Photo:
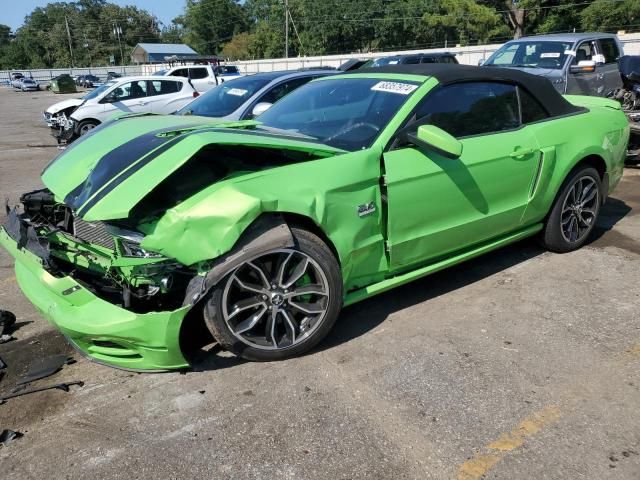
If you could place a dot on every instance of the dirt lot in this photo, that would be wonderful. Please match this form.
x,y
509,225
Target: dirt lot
x,y
519,365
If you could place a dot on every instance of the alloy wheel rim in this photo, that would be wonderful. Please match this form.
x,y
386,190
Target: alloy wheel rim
x,y
276,300
579,209
86,128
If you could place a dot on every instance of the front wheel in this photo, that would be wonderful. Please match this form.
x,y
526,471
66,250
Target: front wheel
x,y
574,212
279,304
86,126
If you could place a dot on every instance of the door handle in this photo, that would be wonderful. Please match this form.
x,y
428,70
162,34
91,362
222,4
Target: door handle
x,y
521,152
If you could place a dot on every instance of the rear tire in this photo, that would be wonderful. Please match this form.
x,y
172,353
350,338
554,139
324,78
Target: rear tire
x,y
575,211
279,304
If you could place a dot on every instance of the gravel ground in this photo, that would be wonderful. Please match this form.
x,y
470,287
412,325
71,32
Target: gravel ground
x,y
521,364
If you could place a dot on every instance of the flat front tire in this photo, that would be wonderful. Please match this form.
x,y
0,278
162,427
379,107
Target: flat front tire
x,y
278,304
574,212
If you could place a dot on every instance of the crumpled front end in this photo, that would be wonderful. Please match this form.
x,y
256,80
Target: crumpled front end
x,y
117,303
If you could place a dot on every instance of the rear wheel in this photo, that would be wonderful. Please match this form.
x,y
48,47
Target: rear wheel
x,y
279,304
574,212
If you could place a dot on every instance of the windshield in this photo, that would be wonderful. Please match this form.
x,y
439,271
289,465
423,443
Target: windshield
x,y
346,113
530,54
224,99
95,93
227,69
160,73
381,62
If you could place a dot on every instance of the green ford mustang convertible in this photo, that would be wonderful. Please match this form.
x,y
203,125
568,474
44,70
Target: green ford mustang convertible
x,y
259,232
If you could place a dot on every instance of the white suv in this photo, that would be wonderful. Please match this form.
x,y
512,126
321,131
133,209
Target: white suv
x,y
148,94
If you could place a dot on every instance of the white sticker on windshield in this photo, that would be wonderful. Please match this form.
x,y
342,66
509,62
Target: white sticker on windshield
x,y
238,92
393,62
550,55
570,52
394,87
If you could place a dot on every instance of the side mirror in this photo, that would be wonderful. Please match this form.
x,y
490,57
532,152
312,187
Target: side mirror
x,y
260,108
584,66
436,139
480,62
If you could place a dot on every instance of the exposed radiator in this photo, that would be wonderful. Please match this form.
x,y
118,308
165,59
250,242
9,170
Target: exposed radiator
x,y
93,232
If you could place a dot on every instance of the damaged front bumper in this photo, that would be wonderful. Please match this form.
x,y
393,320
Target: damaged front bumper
x,y
103,331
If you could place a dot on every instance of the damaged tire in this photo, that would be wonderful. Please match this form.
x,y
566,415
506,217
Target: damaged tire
x,y
278,304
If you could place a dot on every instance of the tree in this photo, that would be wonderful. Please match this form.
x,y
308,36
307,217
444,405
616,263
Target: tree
x,y
210,23
239,48
43,40
467,21
611,16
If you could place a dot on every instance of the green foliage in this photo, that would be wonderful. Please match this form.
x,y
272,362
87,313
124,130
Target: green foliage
x,y
43,40
256,28
210,23
239,47
611,15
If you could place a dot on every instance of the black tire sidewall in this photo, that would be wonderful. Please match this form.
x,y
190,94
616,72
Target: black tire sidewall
x,y
552,237
311,245
82,124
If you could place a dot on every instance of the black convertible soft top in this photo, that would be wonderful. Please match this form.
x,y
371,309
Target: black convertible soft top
x,y
539,86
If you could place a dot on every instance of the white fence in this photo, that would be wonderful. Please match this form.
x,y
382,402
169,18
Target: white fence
x,y
466,55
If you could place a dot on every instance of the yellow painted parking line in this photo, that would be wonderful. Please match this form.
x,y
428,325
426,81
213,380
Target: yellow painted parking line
x,y
480,464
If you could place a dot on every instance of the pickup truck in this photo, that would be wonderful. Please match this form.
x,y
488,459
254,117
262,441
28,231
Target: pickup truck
x,y
204,77
576,63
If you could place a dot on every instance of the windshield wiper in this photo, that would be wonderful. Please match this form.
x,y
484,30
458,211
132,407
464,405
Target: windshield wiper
x,y
524,65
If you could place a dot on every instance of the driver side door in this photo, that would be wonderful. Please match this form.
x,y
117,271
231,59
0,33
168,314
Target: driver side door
x,y
437,205
586,83
129,97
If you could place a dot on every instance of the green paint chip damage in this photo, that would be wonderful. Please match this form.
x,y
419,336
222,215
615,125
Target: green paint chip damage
x,y
348,187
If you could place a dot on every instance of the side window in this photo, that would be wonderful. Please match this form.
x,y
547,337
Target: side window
x,y
197,73
532,110
585,51
162,87
411,60
181,72
609,48
128,91
428,60
471,108
279,91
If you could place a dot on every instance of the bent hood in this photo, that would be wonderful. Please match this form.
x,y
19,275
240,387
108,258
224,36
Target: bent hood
x,y
135,154
57,107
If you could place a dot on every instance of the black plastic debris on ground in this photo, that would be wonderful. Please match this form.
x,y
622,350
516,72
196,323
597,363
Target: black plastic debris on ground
x,y
45,367
7,436
65,387
7,321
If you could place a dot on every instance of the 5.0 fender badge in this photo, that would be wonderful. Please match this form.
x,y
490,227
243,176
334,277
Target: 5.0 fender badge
x,y
366,209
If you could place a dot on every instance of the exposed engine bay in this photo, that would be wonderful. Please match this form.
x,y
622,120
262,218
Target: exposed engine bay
x,y
103,257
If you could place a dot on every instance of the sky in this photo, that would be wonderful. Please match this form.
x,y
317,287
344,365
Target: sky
x,y
165,10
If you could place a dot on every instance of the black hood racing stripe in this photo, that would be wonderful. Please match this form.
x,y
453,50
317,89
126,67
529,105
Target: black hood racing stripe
x,y
113,163
84,197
